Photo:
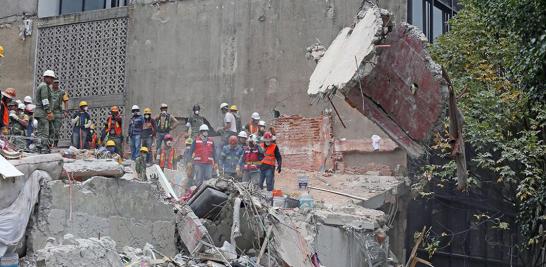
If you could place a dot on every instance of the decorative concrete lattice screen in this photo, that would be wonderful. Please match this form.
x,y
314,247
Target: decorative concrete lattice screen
x,y
90,60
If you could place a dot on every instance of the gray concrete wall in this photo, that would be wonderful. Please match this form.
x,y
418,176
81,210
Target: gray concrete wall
x,y
17,7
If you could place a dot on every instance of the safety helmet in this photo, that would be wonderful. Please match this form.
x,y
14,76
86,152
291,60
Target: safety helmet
x,y
261,123
168,137
267,136
252,138
27,99
114,109
49,73
144,149
255,116
110,143
1,51
18,101
21,106
9,93
30,108
203,127
83,104
163,105
147,111
196,107
242,134
232,140
224,105
233,107
189,141
135,107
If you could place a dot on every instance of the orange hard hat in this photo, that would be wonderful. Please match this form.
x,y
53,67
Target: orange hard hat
x,y
9,93
232,140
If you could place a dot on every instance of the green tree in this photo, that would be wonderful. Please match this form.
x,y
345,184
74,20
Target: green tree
x,y
495,54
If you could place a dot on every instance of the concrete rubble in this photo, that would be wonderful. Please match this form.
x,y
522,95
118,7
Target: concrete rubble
x,y
384,71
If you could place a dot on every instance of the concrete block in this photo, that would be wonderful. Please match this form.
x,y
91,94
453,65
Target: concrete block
x,y
80,252
190,229
84,169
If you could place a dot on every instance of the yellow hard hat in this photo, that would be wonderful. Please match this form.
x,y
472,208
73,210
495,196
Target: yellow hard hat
x,y
110,143
233,107
189,141
92,126
83,103
144,149
147,111
1,51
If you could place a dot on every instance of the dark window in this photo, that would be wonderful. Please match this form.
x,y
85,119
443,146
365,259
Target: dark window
x,y
71,6
431,16
93,4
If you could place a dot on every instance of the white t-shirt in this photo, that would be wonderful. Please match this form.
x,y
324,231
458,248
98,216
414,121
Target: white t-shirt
x,y
229,118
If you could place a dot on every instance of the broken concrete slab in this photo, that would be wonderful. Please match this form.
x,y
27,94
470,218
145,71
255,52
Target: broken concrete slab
x,y
81,170
385,72
127,211
80,252
190,229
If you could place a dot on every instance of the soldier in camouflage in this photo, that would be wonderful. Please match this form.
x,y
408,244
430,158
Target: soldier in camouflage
x,y
59,105
18,124
43,112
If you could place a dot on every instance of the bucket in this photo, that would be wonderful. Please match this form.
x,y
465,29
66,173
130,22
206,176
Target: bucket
x,y
278,202
303,181
276,193
9,260
306,201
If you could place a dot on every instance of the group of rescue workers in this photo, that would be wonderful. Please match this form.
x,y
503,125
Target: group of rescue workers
x,y
247,152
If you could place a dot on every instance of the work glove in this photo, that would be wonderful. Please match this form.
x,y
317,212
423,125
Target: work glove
x,y
75,120
278,169
50,116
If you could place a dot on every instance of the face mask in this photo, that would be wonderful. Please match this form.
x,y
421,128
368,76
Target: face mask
x,y
147,116
205,134
164,112
135,113
196,112
111,149
85,109
169,143
267,143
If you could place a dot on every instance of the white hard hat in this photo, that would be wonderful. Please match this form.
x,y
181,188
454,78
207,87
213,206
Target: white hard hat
x,y
135,107
242,134
261,123
252,138
163,105
255,116
21,106
49,73
203,127
19,102
223,105
28,99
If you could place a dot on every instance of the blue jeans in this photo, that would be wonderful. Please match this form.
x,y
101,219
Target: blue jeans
x,y
135,146
267,174
202,172
147,141
76,142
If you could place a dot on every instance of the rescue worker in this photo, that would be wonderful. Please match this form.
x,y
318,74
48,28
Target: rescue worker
x,y
195,121
59,104
261,130
32,123
250,162
242,136
140,164
204,156
44,112
252,126
233,109
27,100
135,131
93,137
81,126
271,158
18,125
110,152
148,132
164,124
230,124
168,157
7,96
113,129
188,160
230,158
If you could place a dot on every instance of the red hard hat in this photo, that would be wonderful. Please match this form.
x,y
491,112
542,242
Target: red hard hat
x,y
168,137
267,136
232,140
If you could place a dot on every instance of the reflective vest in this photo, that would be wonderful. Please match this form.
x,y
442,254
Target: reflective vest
x,y
269,154
252,128
168,158
250,158
5,115
114,126
203,151
164,123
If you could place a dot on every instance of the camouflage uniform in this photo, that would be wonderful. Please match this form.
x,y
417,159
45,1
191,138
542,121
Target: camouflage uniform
x,y
140,167
43,107
195,121
17,129
57,99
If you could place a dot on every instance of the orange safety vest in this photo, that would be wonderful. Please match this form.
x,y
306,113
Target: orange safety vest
x,y
203,151
269,154
117,127
252,128
5,116
169,159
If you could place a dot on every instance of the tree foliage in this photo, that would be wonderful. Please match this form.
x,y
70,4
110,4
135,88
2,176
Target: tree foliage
x,y
495,53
